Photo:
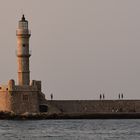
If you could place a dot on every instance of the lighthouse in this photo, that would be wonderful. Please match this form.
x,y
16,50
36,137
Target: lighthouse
x,y
26,96
23,53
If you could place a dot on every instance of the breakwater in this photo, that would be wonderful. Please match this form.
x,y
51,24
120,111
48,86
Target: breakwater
x,y
82,109
93,106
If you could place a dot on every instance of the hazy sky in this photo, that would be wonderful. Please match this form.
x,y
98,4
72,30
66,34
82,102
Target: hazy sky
x,y
80,48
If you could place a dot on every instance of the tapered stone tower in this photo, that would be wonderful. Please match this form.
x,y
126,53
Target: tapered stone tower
x,y
23,54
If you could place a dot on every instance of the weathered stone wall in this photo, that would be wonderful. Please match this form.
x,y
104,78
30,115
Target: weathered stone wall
x,y
19,99
22,102
5,97
5,104
94,106
23,98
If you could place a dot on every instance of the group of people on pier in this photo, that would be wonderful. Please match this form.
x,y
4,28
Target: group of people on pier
x,y
120,96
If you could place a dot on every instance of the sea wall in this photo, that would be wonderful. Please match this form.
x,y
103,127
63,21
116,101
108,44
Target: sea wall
x,y
93,106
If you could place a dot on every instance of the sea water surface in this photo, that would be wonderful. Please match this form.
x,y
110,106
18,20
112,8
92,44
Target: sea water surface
x,y
70,130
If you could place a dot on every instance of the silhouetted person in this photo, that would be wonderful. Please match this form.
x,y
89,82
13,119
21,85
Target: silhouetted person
x,y
119,96
51,96
122,96
103,96
100,96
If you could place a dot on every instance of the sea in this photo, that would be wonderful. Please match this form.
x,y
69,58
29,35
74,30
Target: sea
x,y
70,130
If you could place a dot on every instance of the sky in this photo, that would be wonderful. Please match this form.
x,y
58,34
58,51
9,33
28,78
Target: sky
x,y
80,48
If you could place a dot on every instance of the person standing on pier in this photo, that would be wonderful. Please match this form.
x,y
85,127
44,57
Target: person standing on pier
x,y
100,96
51,96
103,96
122,95
119,96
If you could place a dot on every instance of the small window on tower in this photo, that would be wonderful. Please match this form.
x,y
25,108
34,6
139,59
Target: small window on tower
x,y
24,45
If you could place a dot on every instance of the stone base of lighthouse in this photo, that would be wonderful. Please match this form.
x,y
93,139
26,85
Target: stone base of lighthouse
x,y
21,99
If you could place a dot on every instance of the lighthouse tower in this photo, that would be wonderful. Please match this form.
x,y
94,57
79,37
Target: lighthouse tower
x,y
23,54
